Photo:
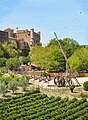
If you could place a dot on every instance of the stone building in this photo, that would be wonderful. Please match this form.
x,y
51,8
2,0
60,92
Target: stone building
x,y
24,38
3,36
29,36
10,32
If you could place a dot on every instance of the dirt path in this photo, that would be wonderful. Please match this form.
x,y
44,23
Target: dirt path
x,y
50,89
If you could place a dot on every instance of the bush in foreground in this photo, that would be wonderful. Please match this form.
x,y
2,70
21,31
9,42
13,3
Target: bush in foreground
x,y
85,85
72,87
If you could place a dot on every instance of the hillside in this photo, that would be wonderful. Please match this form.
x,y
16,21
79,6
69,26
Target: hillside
x,y
37,106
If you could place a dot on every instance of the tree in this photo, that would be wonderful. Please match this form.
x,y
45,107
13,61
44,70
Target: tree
x,y
48,57
39,44
23,82
1,53
2,71
10,50
26,60
12,63
13,84
69,46
79,60
2,62
3,88
1,50
6,79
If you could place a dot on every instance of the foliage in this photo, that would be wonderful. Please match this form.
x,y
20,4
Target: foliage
x,y
78,61
13,63
2,62
45,74
1,52
69,46
72,87
84,95
25,52
37,106
2,71
25,60
10,50
6,79
26,76
85,85
48,57
39,44
12,85
23,82
3,88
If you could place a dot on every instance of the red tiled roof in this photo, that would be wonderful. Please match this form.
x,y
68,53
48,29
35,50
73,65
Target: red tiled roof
x,y
9,29
19,39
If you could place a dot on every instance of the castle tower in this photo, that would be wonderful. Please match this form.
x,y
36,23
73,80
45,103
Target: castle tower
x,y
10,32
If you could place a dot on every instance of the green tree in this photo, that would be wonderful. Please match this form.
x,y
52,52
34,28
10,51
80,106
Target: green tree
x,y
1,50
49,57
79,60
6,79
25,60
12,85
3,88
1,53
10,50
69,46
12,63
2,71
2,62
23,82
39,44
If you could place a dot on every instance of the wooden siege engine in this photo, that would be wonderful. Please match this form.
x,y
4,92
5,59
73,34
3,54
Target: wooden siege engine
x,y
67,80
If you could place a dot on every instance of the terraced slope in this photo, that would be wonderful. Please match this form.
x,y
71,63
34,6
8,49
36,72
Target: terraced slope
x,y
37,106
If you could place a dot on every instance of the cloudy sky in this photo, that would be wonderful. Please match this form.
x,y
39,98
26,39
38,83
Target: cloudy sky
x,y
68,18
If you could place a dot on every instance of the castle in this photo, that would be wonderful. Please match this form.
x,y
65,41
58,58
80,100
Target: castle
x,y
23,38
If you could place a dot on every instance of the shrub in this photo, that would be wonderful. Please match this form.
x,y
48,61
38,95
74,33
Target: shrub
x,y
45,74
2,62
2,71
83,95
13,85
3,88
72,87
23,82
6,79
26,76
85,85
13,63
25,60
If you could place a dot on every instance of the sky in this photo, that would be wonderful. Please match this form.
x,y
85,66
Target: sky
x,y
68,18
